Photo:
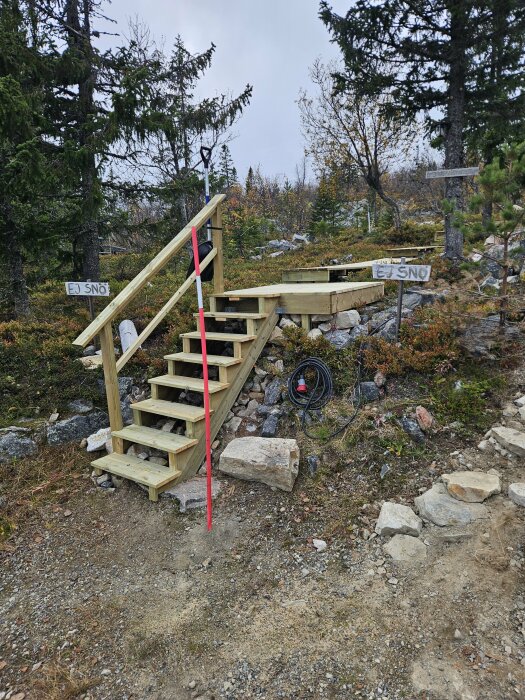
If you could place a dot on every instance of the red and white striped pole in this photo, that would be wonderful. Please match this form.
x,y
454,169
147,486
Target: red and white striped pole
x,y
202,329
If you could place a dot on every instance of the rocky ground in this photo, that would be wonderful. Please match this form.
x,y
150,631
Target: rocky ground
x,y
104,595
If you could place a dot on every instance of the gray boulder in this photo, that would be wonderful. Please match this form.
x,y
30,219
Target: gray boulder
x,y
270,425
125,385
369,392
76,428
272,461
80,406
339,339
397,519
405,549
272,393
484,338
437,506
16,443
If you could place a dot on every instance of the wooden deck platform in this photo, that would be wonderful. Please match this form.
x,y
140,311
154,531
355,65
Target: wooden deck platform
x,y
414,250
315,298
331,273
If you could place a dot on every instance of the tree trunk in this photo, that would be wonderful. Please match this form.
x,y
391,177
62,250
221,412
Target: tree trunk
x,y
454,150
19,294
374,183
80,41
503,299
486,215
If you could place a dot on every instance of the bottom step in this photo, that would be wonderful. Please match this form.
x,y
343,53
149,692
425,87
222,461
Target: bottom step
x,y
137,470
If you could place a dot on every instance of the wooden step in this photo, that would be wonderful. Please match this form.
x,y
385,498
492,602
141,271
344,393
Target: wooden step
x,y
158,439
188,383
240,315
196,358
171,409
136,469
225,337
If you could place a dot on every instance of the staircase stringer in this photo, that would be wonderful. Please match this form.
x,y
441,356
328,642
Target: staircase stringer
x,y
229,396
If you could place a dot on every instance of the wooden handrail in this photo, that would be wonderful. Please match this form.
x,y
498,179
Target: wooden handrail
x,y
115,307
163,312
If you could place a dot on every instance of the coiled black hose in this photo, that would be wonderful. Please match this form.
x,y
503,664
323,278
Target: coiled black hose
x,y
321,393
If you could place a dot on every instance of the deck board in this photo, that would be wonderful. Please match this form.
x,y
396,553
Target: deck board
x,y
327,273
316,297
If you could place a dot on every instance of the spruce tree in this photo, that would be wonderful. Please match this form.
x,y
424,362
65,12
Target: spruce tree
x,y
432,54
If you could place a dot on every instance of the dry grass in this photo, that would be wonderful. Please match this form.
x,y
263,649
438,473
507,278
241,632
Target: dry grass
x,y
60,683
52,475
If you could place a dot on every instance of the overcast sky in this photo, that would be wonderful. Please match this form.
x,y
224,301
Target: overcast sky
x,y
267,43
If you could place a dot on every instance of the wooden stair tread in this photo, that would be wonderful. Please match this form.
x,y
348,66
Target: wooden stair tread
x,y
240,315
191,383
171,409
158,439
136,469
196,358
226,337
253,294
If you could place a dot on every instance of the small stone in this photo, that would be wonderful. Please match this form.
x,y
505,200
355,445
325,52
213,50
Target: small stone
x,y
192,493
279,366
80,406
457,634
68,513
339,339
369,392
395,518
320,545
403,548
273,391
393,581
270,425
486,446
277,336
53,417
424,418
313,464
315,334
102,478
510,439
97,441
379,379
517,493
191,685
347,319
411,427
471,487
287,323
161,461
168,426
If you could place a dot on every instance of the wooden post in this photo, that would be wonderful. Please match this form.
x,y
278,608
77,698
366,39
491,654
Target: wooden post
x,y
218,263
111,377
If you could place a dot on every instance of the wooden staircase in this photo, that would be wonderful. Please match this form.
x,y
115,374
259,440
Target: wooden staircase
x,y
231,358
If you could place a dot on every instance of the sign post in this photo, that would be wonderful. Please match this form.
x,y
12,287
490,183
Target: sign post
x,y
402,273
88,289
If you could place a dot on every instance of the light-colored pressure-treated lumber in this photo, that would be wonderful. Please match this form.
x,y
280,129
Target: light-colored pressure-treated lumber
x,y
170,409
187,383
226,337
111,377
114,308
158,439
136,469
162,313
196,359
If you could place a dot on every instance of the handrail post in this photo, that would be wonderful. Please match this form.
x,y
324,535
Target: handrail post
x,y
111,377
218,263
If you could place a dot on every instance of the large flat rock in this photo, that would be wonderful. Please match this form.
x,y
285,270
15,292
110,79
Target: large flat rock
x,y
472,487
437,506
406,549
396,519
511,439
272,461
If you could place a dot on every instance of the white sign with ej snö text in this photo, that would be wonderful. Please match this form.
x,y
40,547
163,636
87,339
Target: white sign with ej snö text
x,y
87,289
401,273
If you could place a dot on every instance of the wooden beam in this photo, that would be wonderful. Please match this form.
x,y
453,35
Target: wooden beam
x,y
453,172
129,292
162,313
111,377
217,238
